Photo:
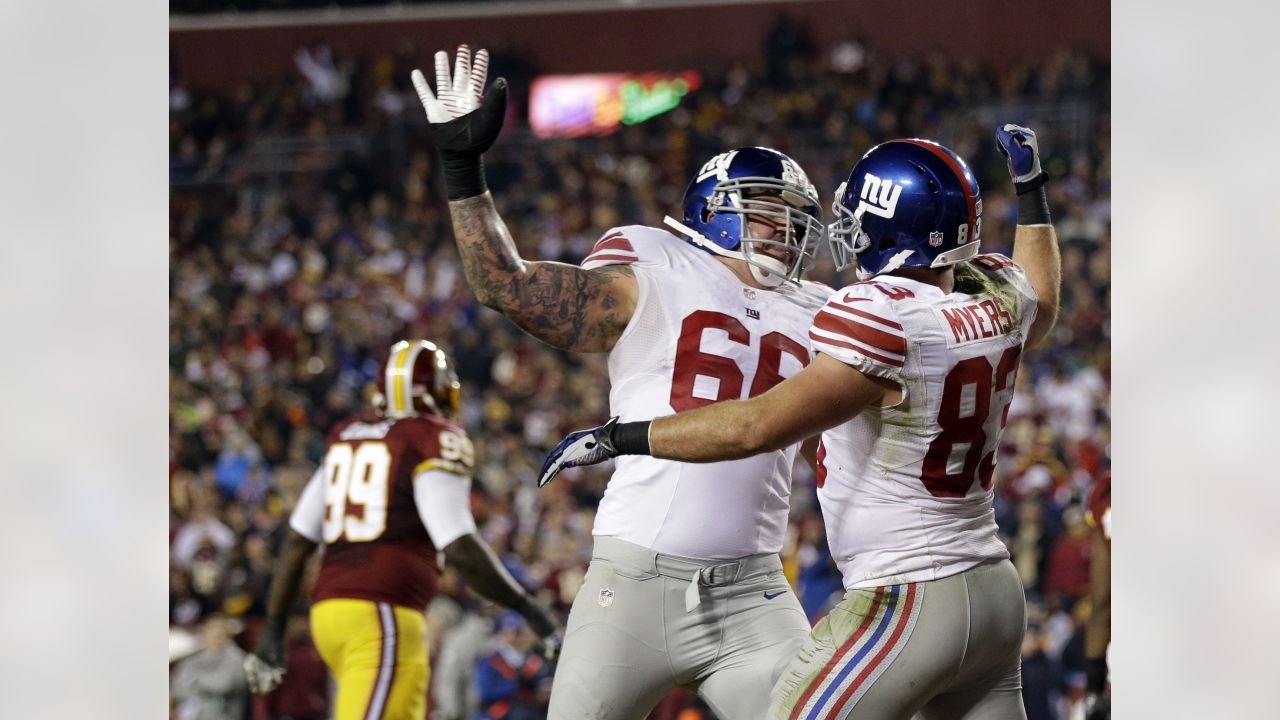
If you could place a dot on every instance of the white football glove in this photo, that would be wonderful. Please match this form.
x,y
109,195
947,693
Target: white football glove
x,y
263,676
456,96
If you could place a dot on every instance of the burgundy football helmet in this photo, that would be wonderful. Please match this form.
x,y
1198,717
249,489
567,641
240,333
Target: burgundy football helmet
x,y
419,379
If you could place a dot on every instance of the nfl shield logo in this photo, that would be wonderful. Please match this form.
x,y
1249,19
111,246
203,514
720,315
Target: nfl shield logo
x,y
605,598
935,238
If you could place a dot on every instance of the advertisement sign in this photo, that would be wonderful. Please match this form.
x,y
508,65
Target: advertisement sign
x,y
577,105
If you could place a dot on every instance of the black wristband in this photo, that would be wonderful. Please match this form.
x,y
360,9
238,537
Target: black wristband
x,y
463,175
631,438
1035,183
1033,202
1095,670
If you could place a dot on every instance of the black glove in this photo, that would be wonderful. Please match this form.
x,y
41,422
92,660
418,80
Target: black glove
x,y
463,123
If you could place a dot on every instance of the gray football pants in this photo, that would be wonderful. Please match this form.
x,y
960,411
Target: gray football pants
x,y
642,625
946,649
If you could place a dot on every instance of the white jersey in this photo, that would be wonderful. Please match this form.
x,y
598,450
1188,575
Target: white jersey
x,y
698,336
906,491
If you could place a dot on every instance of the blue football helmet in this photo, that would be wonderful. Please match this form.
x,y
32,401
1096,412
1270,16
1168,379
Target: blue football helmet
x,y
760,184
907,203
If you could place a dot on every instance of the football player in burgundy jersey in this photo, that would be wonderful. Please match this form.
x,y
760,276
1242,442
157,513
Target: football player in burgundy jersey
x,y
910,385
393,490
685,587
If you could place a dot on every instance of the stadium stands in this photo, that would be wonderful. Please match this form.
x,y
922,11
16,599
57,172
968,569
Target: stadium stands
x,y
308,229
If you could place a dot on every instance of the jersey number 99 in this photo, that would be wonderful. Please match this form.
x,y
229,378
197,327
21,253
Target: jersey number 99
x,y
356,478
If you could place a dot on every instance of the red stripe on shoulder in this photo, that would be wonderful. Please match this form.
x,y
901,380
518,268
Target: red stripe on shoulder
x,y
856,348
610,257
862,332
864,314
993,261
614,241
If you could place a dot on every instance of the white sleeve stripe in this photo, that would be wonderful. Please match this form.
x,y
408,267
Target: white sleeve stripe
x,y
859,315
844,341
307,518
444,504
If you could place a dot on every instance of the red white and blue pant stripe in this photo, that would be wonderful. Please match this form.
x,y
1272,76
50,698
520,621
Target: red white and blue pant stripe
x,y
863,656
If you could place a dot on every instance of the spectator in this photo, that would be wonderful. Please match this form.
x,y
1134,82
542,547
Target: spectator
x,y
210,685
819,585
326,83
239,457
514,683
460,646
203,530
1068,572
1042,681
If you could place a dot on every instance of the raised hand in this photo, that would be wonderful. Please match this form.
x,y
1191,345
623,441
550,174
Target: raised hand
x,y
457,96
1020,149
464,118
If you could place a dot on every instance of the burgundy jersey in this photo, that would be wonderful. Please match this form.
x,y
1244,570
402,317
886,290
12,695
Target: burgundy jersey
x,y
376,547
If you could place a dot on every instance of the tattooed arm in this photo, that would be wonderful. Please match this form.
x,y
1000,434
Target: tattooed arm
x,y
562,305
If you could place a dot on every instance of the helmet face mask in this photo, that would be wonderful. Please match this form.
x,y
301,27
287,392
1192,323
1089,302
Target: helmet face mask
x,y
846,236
419,379
754,184
907,203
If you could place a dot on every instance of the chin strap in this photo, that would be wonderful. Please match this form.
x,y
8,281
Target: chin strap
x,y
697,238
767,277
894,263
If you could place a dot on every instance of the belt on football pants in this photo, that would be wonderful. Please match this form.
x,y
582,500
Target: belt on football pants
x,y
699,573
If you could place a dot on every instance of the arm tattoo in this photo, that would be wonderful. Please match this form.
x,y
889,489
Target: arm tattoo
x,y
562,305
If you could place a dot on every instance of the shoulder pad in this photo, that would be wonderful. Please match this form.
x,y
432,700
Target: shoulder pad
x,y
441,444
860,327
630,244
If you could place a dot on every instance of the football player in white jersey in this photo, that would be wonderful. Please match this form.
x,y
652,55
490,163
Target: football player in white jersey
x,y
912,379
685,588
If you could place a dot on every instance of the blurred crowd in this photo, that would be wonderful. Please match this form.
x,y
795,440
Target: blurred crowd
x,y
290,278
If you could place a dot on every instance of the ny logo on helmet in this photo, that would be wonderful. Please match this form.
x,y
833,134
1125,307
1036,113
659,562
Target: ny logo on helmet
x,y
717,166
888,192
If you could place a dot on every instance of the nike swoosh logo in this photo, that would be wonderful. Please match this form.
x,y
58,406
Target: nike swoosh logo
x,y
848,297
767,596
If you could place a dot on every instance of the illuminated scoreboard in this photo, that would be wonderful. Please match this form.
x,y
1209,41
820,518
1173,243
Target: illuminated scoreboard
x,y
576,105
